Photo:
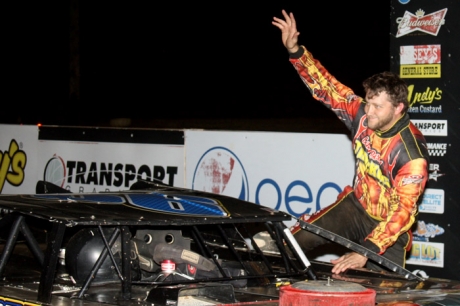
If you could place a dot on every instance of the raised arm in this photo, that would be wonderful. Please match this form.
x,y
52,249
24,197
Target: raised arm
x,y
289,33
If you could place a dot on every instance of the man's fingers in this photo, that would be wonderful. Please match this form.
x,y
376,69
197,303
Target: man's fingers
x,y
286,16
343,266
338,269
288,21
280,23
348,261
292,20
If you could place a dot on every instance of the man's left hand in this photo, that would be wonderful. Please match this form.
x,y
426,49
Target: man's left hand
x,y
347,261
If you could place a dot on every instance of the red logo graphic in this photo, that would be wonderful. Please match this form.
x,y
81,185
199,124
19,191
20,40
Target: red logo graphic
x,y
220,171
191,269
429,24
420,54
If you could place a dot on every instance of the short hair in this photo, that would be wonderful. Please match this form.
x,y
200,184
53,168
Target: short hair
x,y
392,84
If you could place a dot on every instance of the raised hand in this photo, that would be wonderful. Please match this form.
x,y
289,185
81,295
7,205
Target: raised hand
x,y
289,33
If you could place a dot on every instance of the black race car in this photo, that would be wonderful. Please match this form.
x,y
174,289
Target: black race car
x,y
160,245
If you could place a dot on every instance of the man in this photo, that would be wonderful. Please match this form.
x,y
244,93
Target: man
x,y
391,161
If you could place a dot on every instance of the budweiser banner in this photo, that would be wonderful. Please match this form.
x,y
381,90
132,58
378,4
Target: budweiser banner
x,y
425,51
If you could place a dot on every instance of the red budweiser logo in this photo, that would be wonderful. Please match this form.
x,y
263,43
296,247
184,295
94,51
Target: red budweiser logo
x,y
429,24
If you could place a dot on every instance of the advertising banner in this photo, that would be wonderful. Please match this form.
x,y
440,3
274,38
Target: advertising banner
x,y
18,158
96,159
425,51
291,172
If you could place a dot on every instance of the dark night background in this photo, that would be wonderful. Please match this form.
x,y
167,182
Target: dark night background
x,y
172,65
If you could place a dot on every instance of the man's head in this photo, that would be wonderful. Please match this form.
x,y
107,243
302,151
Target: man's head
x,y
389,82
386,100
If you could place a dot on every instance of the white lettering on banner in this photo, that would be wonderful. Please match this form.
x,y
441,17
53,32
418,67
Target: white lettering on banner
x,y
429,24
437,149
434,172
425,109
431,109
431,127
420,54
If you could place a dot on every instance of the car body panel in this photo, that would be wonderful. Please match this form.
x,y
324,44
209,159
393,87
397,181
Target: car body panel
x,y
113,248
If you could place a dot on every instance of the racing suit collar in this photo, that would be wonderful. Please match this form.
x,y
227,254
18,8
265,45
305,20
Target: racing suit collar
x,y
396,128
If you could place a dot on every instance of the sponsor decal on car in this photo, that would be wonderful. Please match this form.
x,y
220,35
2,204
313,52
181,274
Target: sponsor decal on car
x,y
5,301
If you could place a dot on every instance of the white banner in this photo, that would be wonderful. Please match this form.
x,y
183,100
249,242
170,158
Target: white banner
x,y
292,172
94,166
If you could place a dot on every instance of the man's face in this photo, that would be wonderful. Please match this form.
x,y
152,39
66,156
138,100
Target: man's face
x,y
381,114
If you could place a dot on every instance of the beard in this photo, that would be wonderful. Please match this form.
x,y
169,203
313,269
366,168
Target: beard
x,y
380,123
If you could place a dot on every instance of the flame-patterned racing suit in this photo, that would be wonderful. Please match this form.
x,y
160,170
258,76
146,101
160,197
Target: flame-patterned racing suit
x,y
391,173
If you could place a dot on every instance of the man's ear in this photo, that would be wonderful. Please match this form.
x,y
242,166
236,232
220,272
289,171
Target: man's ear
x,y
400,107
